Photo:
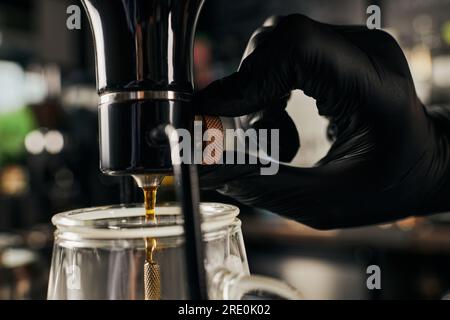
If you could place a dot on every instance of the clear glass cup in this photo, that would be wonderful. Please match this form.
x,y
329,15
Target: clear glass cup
x,y
100,253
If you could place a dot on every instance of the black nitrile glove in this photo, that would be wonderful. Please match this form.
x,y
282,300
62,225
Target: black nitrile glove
x,y
390,156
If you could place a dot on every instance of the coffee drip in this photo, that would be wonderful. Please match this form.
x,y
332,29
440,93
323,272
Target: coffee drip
x,y
152,271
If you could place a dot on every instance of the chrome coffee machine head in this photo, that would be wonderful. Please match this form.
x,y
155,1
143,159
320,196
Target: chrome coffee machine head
x,y
143,51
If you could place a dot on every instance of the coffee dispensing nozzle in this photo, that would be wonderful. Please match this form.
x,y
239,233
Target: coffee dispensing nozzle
x,y
143,54
148,180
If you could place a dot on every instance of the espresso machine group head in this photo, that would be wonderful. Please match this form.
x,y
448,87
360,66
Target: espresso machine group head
x,y
143,52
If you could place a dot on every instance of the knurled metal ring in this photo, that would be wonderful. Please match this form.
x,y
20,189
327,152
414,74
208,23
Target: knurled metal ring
x,y
123,96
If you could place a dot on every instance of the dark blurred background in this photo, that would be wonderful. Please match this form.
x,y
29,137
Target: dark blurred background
x,y
49,147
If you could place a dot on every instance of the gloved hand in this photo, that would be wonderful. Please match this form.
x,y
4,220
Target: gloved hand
x,y
390,155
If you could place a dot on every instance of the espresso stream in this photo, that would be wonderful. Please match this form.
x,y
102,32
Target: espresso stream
x,y
152,275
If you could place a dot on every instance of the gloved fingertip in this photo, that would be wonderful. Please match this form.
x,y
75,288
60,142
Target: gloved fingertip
x,y
210,100
221,98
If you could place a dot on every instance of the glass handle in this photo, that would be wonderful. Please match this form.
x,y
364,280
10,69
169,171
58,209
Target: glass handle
x,y
231,286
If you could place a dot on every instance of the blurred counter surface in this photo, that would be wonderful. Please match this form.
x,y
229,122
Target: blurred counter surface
x,y
420,235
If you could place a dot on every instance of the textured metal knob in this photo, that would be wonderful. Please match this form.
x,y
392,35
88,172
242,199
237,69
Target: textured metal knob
x,y
217,145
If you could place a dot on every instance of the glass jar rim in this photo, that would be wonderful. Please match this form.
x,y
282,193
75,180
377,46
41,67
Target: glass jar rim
x,y
128,221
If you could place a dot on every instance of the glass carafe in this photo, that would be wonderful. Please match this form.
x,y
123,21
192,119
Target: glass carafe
x,y
101,253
